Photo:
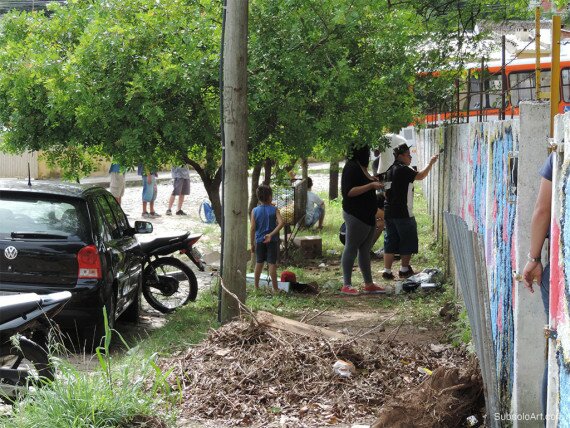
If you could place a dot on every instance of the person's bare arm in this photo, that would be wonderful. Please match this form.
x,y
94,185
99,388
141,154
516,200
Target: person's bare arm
x,y
424,172
359,190
539,226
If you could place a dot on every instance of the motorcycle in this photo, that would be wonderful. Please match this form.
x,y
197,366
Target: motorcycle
x,y
168,283
24,322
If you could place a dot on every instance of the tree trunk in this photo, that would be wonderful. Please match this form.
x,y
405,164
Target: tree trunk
x,y
304,168
267,165
234,251
333,180
256,173
212,186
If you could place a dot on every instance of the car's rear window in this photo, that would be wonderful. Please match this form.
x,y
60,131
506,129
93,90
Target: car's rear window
x,y
40,217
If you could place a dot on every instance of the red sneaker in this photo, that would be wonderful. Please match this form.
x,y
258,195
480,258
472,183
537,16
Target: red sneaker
x,y
373,289
347,289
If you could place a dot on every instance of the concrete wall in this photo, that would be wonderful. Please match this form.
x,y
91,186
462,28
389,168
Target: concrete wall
x,y
486,182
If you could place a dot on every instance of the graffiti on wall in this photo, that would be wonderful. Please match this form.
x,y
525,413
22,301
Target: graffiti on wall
x,y
559,303
500,252
486,202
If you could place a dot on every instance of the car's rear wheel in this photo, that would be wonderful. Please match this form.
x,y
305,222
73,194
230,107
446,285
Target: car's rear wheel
x,y
95,333
132,313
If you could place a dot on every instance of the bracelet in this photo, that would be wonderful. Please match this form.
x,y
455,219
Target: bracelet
x,y
533,259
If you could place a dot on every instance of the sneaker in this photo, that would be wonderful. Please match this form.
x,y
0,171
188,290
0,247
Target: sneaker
x,y
379,254
387,275
180,212
168,212
406,274
373,289
155,215
145,214
347,289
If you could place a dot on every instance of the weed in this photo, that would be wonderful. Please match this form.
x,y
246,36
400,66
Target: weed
x,y
461,331
113,396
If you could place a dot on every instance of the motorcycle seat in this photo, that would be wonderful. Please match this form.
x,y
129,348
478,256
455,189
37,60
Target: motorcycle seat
x,y
165,241
12,307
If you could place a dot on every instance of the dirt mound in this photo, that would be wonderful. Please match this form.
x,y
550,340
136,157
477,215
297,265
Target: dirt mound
x,y
245,374
442,400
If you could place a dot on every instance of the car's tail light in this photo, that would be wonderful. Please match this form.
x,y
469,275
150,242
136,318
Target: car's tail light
x,y
89,263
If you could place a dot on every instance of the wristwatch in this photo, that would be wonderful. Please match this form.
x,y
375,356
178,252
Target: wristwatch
x,y
533,259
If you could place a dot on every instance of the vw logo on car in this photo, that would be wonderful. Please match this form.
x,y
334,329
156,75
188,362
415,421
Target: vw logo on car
x,y
11,252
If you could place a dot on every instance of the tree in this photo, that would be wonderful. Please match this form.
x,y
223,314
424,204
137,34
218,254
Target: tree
x,y
137,80
134,80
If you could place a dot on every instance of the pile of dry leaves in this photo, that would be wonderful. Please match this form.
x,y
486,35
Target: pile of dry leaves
x,y
247,374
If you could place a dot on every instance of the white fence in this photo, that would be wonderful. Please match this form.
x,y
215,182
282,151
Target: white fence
x,y
16,166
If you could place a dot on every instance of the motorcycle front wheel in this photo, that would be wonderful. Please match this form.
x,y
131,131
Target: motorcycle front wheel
x,y
168,283
22,364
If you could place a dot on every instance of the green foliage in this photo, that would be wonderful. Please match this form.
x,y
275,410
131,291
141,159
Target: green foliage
x,y
138,80
134,80
461,330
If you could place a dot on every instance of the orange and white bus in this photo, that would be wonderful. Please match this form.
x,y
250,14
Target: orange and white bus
x,y
487,87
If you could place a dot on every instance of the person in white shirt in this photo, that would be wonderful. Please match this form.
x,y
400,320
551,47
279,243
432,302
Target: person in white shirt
x,y
315,207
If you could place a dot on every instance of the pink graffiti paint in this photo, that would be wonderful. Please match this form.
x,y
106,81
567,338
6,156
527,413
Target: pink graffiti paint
x,y
514,263
556,278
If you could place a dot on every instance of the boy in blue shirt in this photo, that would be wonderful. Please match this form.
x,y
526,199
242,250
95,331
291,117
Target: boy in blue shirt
x,y
266,222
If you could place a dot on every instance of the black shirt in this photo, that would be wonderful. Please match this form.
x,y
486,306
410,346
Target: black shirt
x,y
363,206
399,191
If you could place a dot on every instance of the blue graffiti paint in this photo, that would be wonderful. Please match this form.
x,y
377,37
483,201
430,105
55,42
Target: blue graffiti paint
x,y
564,394
499,237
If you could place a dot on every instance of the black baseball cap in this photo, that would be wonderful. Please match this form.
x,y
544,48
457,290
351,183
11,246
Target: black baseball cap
x,y
400,149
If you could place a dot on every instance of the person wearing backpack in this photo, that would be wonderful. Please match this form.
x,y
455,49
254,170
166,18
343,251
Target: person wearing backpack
x,y
401,236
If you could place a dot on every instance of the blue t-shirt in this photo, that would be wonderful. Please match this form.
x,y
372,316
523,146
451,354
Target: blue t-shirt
x,y
115,167
265,222
546,169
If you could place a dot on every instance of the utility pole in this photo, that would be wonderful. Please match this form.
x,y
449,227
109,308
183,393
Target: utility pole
x,y
235,157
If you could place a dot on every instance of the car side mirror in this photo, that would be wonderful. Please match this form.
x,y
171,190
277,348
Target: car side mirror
x,y
143,227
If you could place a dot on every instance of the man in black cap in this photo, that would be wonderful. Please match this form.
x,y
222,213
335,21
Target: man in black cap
x,y
401,234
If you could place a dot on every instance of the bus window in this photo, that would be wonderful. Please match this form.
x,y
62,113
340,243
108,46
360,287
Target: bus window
x,y
566,84
494,91
523,87
491,97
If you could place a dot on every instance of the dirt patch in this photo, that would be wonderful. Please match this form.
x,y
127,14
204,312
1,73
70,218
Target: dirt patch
x,y
247,375
377,324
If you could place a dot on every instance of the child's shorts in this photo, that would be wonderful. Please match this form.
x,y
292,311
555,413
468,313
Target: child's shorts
x,y
149,189
267,252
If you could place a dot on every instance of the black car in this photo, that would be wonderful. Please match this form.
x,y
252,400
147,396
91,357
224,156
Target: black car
x,y
56,237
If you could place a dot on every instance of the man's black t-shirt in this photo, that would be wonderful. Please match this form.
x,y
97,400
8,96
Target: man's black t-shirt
x,y
399,191
363,206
